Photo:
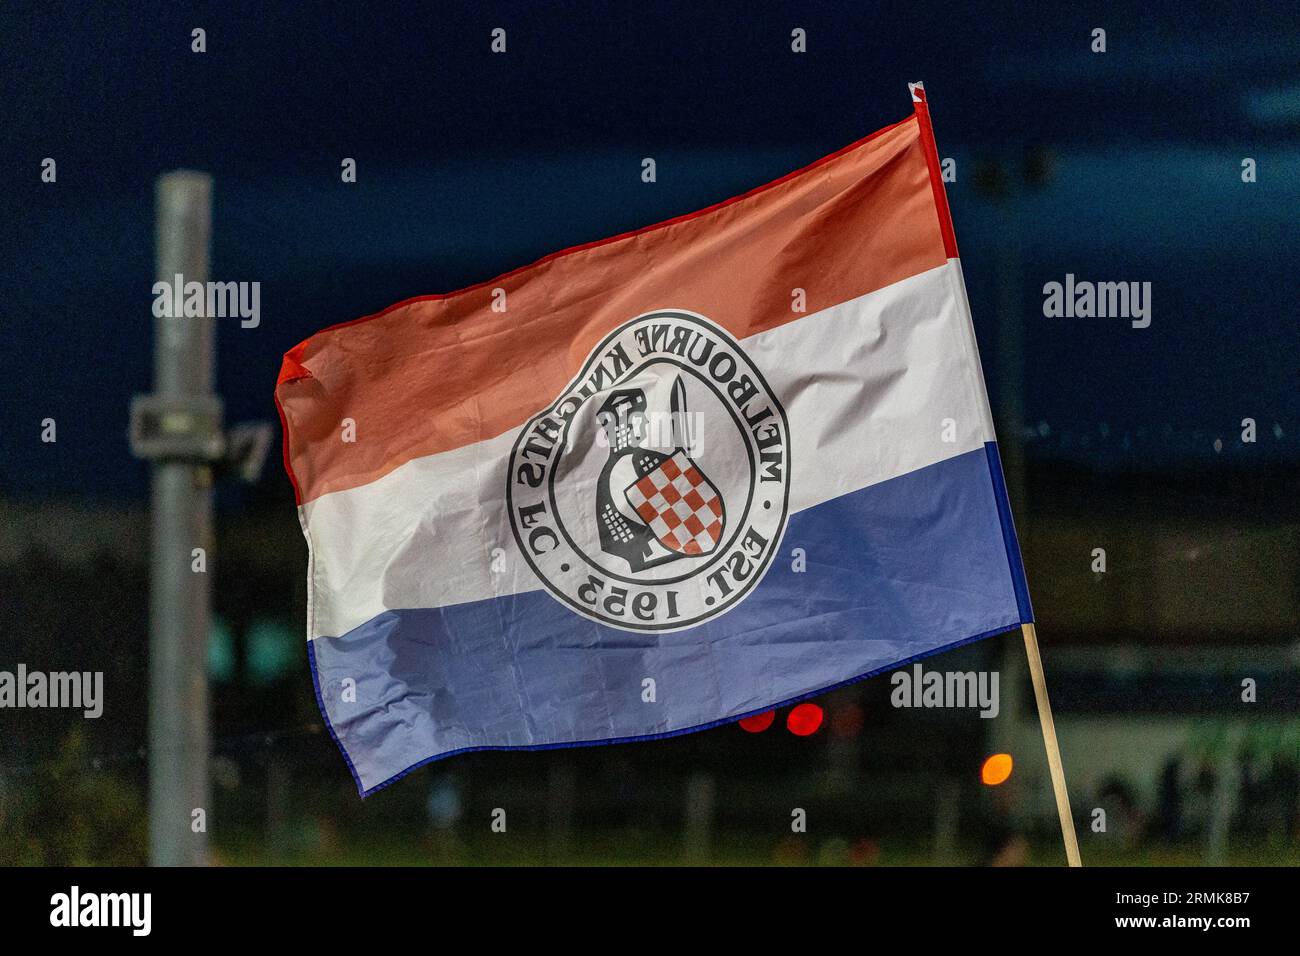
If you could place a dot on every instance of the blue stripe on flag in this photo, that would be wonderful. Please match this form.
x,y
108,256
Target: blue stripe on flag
x,y
894,572
1009,535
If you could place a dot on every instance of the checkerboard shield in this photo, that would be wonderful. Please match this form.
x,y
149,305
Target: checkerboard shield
x,y
680,505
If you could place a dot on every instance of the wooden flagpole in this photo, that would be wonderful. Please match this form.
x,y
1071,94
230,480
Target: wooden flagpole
x,y
1053,748
922,108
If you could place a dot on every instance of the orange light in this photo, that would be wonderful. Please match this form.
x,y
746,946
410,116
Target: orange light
x,y
996,769
757,723
804,719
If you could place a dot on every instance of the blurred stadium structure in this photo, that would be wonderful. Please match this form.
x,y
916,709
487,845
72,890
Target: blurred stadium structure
x,y
1127,178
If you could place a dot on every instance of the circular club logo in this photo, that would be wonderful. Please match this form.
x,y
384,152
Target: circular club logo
x,y
653,493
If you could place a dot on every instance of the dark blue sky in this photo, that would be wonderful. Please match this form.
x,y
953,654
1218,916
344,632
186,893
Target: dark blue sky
x,y
471,164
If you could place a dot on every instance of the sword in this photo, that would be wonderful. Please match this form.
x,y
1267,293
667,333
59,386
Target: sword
x,y
680,424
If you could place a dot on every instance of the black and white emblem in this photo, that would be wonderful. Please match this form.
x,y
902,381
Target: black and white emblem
x,y
653,493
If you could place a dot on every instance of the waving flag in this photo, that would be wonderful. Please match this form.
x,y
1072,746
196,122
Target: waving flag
x,y
657,482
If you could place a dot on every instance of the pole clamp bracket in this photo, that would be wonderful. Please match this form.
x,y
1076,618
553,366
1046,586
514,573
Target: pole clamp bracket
x,y
183,428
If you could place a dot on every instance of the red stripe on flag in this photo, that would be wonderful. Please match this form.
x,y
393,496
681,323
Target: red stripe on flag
x,y
438,372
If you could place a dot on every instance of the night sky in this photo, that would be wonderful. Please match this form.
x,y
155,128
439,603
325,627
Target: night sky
x,y
471,164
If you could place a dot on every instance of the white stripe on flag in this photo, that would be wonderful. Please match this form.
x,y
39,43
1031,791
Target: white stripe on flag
x,y
868,386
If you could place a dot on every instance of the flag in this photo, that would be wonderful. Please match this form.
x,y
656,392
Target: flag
x,y
654,483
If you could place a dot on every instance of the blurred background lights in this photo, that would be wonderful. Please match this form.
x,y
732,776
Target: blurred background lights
x,y
757,723
846,720
996,769
804,719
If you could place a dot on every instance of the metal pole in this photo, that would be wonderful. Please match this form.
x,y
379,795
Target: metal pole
x,y
182,521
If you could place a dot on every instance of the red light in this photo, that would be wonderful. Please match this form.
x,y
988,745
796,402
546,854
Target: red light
x,y
804,719
757,723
